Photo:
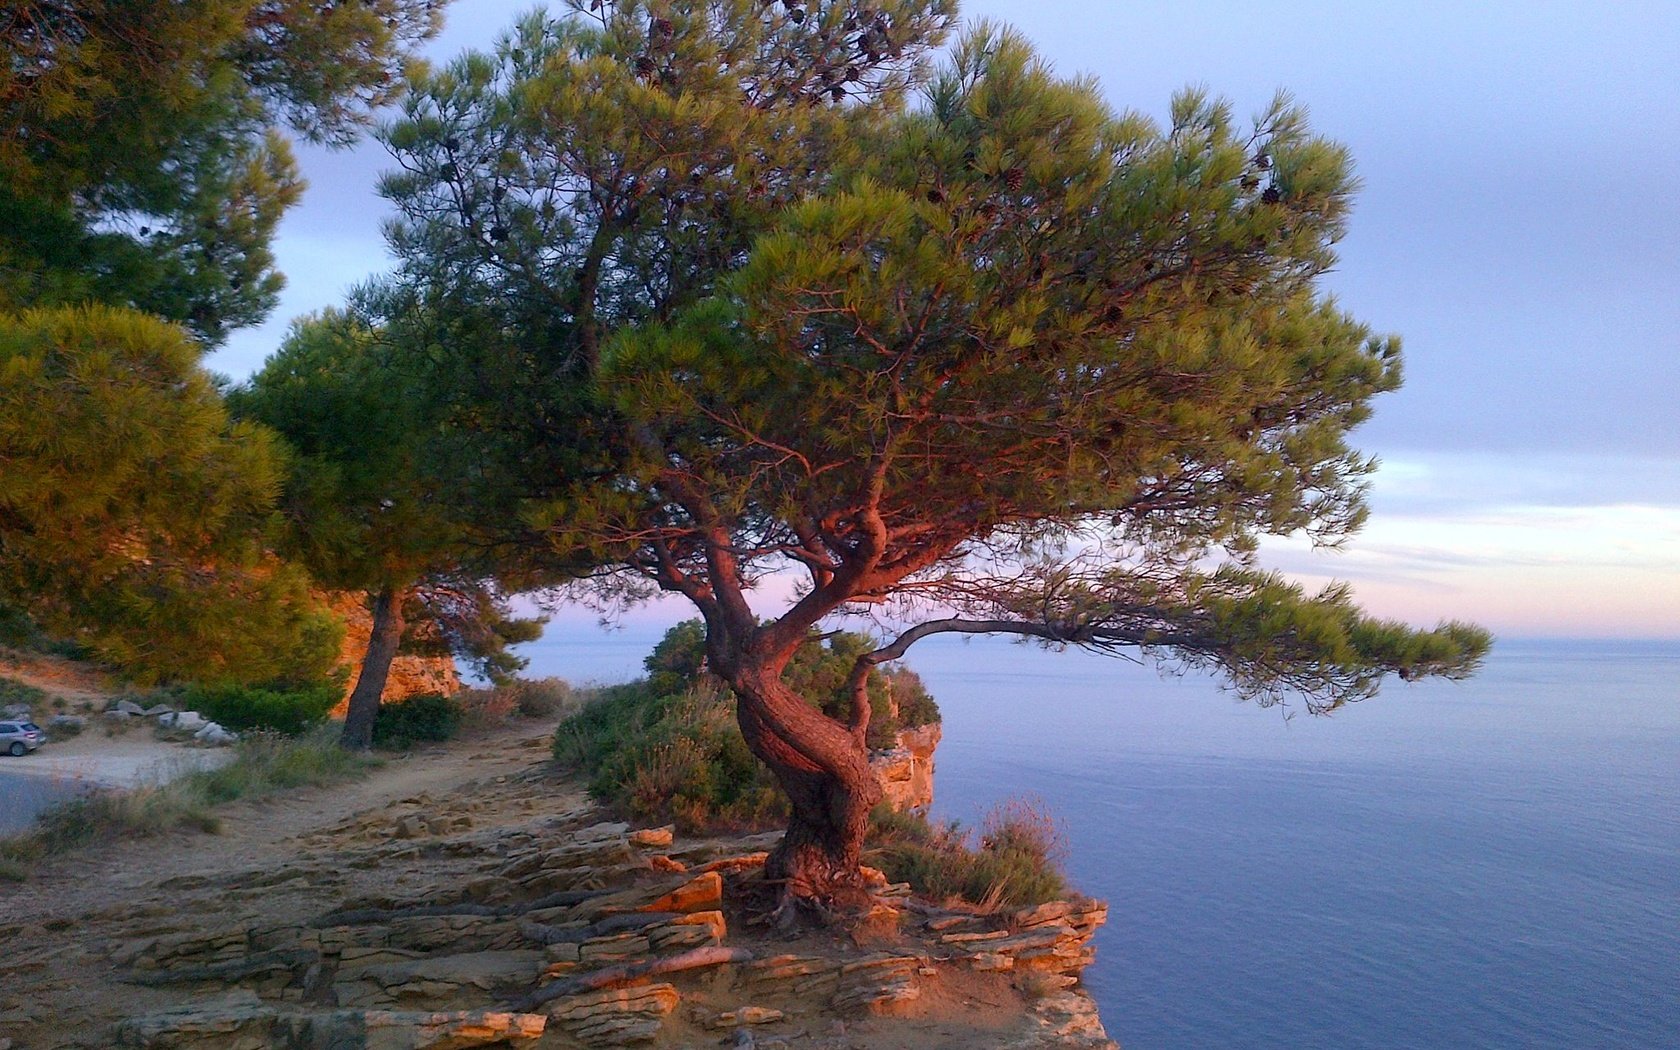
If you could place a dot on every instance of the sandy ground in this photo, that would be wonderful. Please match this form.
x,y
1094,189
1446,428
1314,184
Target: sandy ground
x,y
130,760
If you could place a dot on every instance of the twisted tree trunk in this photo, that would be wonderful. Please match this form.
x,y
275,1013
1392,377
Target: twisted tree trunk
x,y
386,636
824,768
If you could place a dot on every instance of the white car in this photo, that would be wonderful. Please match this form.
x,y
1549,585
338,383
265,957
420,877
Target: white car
x,y
20,738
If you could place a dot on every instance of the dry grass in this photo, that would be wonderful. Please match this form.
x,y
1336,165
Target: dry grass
x,y
263,764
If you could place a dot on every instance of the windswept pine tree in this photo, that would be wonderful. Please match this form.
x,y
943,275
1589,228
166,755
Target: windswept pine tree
x,y
995,360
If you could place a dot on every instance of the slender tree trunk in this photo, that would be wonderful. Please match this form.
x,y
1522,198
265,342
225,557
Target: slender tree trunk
x,y
376,667
825,771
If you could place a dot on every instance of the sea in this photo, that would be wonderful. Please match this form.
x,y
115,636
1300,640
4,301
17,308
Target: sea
x,y
1493,863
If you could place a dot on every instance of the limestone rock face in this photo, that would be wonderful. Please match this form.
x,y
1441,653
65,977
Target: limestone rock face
x,y
410,675
906,769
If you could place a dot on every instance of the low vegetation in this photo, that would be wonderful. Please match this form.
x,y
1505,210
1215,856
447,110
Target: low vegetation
x,y
288,710
422,718
1017,862
668,748
671,755
13,691
263,763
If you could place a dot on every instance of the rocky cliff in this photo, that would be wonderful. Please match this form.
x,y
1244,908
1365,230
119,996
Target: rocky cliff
x,y
906,769
410,675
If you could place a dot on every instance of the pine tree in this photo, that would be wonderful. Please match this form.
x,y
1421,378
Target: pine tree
x,y
370,503
1000,362
140,163
133,511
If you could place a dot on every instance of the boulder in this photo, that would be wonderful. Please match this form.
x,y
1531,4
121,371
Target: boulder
x,y
158,709
242,1022
128,707
213,734
183,720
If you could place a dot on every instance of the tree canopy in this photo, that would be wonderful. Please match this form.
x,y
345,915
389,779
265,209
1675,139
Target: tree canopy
x,y
140,162
134,513
370,500
995,360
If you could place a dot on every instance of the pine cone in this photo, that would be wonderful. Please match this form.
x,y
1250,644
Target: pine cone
x,y
1014,178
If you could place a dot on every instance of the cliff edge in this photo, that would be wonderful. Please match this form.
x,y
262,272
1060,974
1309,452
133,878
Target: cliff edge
x,y
472,895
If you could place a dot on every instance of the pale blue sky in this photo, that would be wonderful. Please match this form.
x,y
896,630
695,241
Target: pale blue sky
x,y
1519,226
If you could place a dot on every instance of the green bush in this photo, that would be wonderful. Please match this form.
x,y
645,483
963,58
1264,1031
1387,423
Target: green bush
x,y
819,671
1018,861
425,717
291,710
676,757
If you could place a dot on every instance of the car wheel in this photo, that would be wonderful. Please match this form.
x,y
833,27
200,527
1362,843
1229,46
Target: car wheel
x,y
17,749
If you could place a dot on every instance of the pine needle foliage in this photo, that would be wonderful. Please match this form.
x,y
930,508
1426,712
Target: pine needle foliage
x,y
132,510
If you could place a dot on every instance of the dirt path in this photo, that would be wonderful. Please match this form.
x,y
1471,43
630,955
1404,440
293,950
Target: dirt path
x,y
284,859
266,833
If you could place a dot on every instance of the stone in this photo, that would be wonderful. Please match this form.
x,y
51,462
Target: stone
x,y
744,1015
1070,1019
740,863
438,980
704,892
158,709
392,1030
128,707
991,962
653,838
616,1016
213,734
238,1021
183,720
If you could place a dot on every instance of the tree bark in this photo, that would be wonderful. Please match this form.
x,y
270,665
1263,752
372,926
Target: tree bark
x,y
824,768
376,668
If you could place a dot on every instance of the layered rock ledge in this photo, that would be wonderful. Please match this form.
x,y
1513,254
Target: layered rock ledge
x,y
509,914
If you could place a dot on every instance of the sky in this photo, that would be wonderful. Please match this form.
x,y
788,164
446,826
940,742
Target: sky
x,y
1518,226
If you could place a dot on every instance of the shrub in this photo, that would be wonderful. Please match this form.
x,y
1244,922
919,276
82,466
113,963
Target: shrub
x,y
425,717
1018,861
289,710
543,697
13,691
676,757
486,708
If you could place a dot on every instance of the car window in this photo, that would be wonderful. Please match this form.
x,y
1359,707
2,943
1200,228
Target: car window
x,y
7,727
31,727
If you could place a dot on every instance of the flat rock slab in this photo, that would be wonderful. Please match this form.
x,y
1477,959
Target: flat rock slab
x,y
244,1023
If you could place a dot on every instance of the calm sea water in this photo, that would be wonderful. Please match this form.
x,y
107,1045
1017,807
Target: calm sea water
x,y
1486,864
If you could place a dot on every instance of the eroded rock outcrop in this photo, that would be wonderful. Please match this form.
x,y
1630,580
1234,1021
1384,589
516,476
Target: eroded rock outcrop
x,y
593,934
905,770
